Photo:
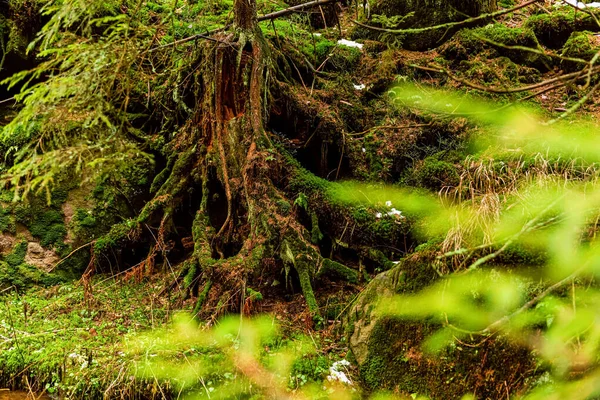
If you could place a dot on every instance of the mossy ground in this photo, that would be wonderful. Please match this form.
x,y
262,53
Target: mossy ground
x,y
62,342
328,125
65,341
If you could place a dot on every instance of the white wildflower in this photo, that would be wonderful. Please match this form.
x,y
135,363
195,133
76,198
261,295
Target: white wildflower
x,y
395,213
337,372
350,43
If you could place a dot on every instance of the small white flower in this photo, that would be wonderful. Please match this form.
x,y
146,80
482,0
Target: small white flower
x,y
388,203
364,150
350,43
336,372
378,215
359,87
395,213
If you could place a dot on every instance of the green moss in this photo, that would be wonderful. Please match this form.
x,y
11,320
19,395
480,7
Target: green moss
x,y
7,223
202,296
579,45
115,197
381,260
114,237
304,181
397,361
523,255
159,180
315,233
554,29
45,221
344,58
17,256
85,224
253,295
49,227
85,218
501,71
468,42
332,211
434,174
192,273
303,268
361,214
336,270
285,32
15,272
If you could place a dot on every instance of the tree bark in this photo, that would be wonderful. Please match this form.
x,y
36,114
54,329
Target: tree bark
x,y
225,151
245,16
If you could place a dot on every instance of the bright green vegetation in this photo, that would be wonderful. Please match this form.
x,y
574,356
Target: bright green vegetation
x,y
69,341
365,199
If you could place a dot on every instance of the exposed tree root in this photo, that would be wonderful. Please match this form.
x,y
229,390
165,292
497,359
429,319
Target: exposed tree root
x,y
231,162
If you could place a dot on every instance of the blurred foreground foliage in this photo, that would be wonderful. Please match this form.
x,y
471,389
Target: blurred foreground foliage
x,y
551,307
551,209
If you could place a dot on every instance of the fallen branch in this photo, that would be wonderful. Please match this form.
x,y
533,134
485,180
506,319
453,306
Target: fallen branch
x,y
267,17
532,50
473,85
185,40
295,9
497,324
449,25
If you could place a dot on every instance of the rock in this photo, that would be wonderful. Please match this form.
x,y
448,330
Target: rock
x,y
41,258
364,319
7,242
390,352
428,13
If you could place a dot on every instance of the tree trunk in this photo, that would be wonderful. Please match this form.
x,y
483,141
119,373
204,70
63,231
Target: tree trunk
x,y
431,13
225,153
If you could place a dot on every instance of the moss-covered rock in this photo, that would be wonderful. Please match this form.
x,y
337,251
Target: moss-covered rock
x,y
582,45
426,13
391,355
493,41
554,29
435,174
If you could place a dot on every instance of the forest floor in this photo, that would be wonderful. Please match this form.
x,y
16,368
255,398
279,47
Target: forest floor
x,y
71,338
